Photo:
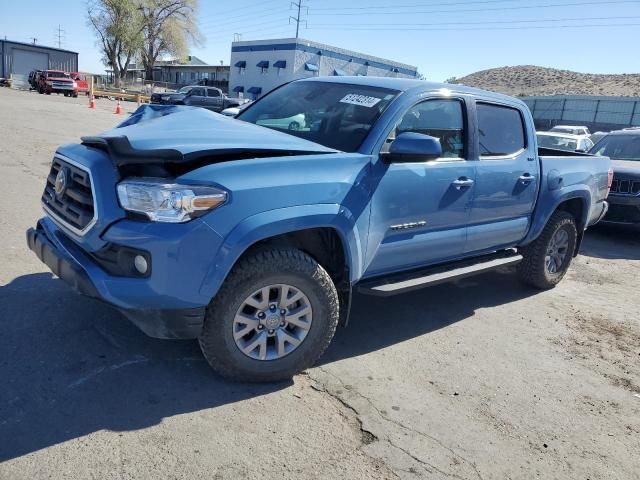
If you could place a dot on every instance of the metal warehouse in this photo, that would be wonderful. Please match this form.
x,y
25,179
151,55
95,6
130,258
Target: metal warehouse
x,y
259,66
597,113
19,58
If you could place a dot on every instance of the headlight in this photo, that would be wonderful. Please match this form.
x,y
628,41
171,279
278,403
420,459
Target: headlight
x,y
168,202
75,84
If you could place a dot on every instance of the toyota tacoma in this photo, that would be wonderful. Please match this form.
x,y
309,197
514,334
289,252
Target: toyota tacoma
x,y
252,239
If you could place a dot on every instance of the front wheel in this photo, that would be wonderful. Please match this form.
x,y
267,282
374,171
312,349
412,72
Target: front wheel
x,y
273,317
547,259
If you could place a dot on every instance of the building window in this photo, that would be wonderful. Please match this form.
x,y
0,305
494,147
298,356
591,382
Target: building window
x,y
241,66
263,65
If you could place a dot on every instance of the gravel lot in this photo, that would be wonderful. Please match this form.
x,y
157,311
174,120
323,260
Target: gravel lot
x,y
478,379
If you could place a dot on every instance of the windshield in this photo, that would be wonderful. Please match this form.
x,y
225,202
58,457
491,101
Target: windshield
x,y
57,75
619,147
336,115
557,142
184,90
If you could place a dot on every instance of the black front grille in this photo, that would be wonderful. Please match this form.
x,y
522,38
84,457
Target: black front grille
x,y
74,205
625,186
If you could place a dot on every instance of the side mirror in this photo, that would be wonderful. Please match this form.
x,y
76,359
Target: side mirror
x,y
413,147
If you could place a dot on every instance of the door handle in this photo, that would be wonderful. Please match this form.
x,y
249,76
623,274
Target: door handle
x,y
526,178
462,182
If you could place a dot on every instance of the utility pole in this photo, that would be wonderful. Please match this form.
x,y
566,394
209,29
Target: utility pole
x,y
299,5
59,36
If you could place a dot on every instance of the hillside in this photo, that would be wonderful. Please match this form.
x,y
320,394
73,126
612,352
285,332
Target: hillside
x,y
531,80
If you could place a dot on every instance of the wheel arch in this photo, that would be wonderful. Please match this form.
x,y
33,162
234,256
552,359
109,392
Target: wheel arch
x,y
316,229
576,202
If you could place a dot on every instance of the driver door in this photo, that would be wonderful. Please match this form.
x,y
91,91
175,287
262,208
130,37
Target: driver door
x,y
420,210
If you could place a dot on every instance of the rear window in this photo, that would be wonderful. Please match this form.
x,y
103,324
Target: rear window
x,y
501,130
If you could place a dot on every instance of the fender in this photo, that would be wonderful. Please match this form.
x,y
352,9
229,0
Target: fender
x,y
549,202
281,221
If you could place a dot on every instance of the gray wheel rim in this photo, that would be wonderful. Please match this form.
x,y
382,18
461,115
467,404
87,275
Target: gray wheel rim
x,y
272,322
557,251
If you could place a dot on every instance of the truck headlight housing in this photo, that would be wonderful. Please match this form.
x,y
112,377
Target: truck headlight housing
x,y
168,202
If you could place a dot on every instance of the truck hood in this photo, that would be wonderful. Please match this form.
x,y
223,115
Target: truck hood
x,y
60,79
626,166
193,129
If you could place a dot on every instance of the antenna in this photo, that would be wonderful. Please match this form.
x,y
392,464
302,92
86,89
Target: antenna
x,y
33,39
237,37
59,36
299,5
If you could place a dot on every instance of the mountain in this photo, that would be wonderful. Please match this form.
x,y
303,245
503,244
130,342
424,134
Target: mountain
x,y
525,80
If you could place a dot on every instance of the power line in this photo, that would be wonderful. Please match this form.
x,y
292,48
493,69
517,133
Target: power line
x,y
523,7
520,27
418,5
579,19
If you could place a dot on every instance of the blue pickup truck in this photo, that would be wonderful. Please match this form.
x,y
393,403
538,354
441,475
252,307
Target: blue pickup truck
x,y
252,239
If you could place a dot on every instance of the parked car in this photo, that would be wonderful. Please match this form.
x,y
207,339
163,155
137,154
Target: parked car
x,y
564,141
623,146
211,98
571,129
252,239
596,137
295,122
33,79
56,81
82,82
234,111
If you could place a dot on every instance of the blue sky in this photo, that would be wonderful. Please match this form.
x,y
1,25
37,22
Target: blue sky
x,y
443,38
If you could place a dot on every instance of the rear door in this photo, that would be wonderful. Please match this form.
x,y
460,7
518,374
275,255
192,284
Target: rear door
x,y
420,210
214,99
197,97
507,178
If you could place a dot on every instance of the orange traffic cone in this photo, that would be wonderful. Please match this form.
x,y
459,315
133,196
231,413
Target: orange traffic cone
x,y
92,102
118,109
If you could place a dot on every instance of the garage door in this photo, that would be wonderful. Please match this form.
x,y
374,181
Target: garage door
x,y
23,61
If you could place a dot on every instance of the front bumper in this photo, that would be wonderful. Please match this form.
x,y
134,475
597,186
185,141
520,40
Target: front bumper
x,y
623,210
67,261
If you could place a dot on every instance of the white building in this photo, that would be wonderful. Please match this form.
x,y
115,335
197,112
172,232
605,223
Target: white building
x,y
261,65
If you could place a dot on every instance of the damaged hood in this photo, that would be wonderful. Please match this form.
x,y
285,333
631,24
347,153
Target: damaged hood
x,y
190,129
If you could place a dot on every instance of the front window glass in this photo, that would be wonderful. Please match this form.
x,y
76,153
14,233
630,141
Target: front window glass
x,y
442,119
557,142
619,147
184,90
336,115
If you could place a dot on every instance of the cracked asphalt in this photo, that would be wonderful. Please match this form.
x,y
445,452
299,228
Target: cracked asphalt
x,y
478,379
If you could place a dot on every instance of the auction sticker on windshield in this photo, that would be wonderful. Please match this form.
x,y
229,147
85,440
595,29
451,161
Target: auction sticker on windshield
x,y
362,100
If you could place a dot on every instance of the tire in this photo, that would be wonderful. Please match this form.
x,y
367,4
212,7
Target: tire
x,y
534,269
268,268
295,126
41,90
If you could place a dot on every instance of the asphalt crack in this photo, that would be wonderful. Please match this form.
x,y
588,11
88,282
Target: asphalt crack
x,y
323,388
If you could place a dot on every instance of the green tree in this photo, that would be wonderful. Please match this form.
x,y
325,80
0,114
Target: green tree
x,y
168,27
117,26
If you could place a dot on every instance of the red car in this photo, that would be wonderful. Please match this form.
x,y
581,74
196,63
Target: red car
x,y
56,81
82,82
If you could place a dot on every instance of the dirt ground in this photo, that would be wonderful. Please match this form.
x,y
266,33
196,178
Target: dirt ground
x,y
478,379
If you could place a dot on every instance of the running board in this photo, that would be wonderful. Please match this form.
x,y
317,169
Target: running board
x,y
406,282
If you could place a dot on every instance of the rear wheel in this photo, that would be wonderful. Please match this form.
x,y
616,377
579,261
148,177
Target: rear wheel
x,y
274,316
547,259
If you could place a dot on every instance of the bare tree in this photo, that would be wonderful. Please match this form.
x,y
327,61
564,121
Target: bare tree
x,y
117,26
168,27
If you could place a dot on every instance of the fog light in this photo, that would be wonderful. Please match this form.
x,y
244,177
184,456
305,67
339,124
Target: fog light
x,y
141,264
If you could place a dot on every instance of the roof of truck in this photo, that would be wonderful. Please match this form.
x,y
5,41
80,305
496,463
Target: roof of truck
x,y
406,84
